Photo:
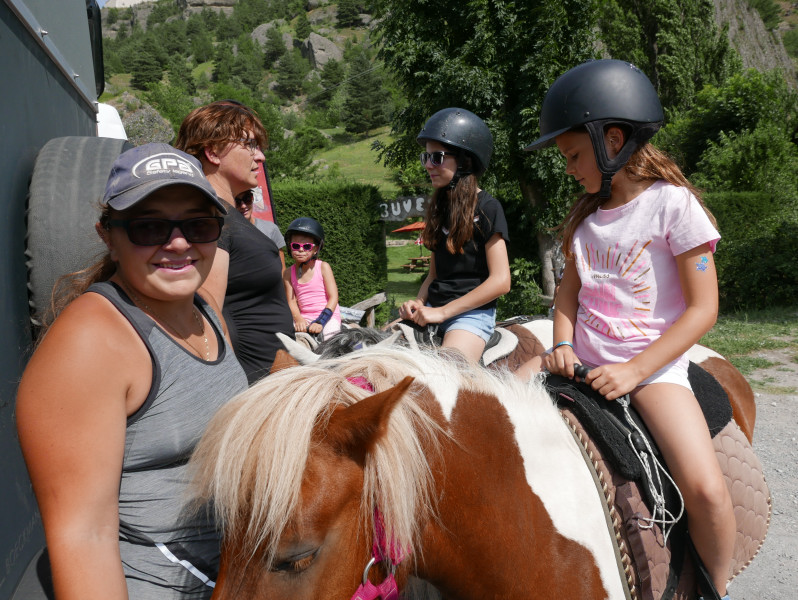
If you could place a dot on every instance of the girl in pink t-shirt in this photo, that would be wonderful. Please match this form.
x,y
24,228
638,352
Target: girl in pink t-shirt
x,y
639,286
309,284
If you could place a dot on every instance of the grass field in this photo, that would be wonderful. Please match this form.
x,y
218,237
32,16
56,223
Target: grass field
x,y
402,285
356,160
738,336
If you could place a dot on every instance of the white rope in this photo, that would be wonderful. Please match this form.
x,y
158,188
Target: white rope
x,y
660,515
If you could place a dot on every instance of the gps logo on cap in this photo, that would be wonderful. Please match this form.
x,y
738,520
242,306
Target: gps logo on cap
x,y
164,163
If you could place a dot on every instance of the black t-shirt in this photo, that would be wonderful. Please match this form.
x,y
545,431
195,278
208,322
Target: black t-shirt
x,y
255,306
458,274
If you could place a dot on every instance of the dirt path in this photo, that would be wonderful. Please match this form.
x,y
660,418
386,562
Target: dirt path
x,y
774,573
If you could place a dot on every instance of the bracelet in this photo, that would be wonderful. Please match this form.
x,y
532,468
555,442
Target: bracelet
x,y
563,344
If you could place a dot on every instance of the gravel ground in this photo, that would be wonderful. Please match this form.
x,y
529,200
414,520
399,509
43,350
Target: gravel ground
x,y
773,575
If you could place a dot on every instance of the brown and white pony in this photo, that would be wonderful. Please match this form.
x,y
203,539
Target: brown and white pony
x,y
480,487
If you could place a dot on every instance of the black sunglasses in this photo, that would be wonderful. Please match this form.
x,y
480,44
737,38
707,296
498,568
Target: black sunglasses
x,y
306,247
156,232
435,158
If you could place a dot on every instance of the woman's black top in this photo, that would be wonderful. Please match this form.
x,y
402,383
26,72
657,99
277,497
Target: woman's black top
x,y
458,274
255,306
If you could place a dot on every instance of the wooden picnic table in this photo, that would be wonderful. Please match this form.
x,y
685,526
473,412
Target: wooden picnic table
x,y
420,261
417,262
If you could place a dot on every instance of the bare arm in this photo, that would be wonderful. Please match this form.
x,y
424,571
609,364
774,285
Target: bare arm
x,y
700,289
497,284
89,373
300,324
216,283
561,360
282,260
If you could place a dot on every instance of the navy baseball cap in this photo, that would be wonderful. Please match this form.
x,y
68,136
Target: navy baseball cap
x,y
140,171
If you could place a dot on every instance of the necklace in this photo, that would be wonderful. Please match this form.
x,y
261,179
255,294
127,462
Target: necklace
x,y
195,313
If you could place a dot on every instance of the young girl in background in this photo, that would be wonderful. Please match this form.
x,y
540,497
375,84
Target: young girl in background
x,y
639,286
467,233
309,284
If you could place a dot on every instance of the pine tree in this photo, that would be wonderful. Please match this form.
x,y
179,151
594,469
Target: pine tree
x,y
348,13
302,26
145,70
364,106
274,47
332,74
289,75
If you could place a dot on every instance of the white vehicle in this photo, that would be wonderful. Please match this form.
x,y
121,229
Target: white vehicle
x,y
52,161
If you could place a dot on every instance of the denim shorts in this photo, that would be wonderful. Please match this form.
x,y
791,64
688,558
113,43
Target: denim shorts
x,y
480,321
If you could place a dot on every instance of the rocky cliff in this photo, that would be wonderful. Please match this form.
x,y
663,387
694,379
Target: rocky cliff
x,y
759,48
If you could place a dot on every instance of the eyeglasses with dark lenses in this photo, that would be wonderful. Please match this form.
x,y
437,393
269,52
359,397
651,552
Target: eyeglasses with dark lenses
x,y
435,158
306,247
250,144
156,232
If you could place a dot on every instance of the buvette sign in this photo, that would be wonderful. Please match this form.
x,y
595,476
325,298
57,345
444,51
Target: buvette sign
x,y
404,207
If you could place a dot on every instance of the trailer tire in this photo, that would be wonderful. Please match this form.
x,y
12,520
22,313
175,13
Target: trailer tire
x,y
67,184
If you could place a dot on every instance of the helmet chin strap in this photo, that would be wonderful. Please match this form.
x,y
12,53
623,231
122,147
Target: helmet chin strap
x,y
610,166
460,172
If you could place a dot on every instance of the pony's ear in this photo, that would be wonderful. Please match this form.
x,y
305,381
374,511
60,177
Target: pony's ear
x,y
300,352
355,429
283,360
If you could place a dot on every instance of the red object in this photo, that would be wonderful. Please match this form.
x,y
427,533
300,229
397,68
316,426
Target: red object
x,y
263,208
412,227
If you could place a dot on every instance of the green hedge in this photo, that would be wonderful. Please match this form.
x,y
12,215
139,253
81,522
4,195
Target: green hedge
x,y
756,255
354,242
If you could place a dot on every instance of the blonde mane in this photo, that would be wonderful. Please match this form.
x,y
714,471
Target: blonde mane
x,y
251,460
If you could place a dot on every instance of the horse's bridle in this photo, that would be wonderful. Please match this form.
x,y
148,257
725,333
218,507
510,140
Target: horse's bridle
x,y
383,550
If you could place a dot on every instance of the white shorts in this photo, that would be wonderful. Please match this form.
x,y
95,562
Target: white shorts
x,y
673,372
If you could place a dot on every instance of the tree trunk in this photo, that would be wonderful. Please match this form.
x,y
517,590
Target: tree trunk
x,y
548,250
548,247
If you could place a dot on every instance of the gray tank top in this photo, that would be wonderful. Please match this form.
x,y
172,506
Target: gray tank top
x,y
168,551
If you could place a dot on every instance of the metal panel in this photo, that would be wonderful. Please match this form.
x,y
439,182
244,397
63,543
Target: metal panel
x,y
61,28
38,102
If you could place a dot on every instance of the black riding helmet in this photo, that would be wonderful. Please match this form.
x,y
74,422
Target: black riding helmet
x,y
308,226
461,129
595,95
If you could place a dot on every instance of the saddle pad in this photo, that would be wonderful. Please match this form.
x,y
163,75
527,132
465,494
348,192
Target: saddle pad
x,y
644,561
606,423
500,345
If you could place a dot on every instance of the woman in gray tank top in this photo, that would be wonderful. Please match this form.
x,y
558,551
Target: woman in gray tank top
x,y
133,365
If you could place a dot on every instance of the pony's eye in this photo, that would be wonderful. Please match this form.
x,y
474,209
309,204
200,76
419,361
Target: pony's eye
x,y
295,564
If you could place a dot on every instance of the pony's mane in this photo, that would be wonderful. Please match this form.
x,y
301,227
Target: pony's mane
x,y
251,459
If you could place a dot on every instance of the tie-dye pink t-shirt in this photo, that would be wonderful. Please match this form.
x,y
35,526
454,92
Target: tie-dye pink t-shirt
x,y
630,290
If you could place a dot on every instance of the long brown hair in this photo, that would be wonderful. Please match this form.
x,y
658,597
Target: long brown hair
x,y
216,124
70,286
452,208
646,163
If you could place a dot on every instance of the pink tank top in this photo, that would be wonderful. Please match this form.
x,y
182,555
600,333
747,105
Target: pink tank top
x,y
312,296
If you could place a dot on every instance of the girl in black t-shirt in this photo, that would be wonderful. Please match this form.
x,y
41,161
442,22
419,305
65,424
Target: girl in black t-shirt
x,y
467,233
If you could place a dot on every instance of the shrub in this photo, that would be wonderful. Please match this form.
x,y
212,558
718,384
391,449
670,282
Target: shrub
x,y
524,297
354,242
756,255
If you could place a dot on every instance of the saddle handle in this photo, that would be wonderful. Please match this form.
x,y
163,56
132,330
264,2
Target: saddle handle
x,y
581,371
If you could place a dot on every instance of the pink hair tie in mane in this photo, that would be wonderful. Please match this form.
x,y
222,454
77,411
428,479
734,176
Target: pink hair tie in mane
x,y
361,382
